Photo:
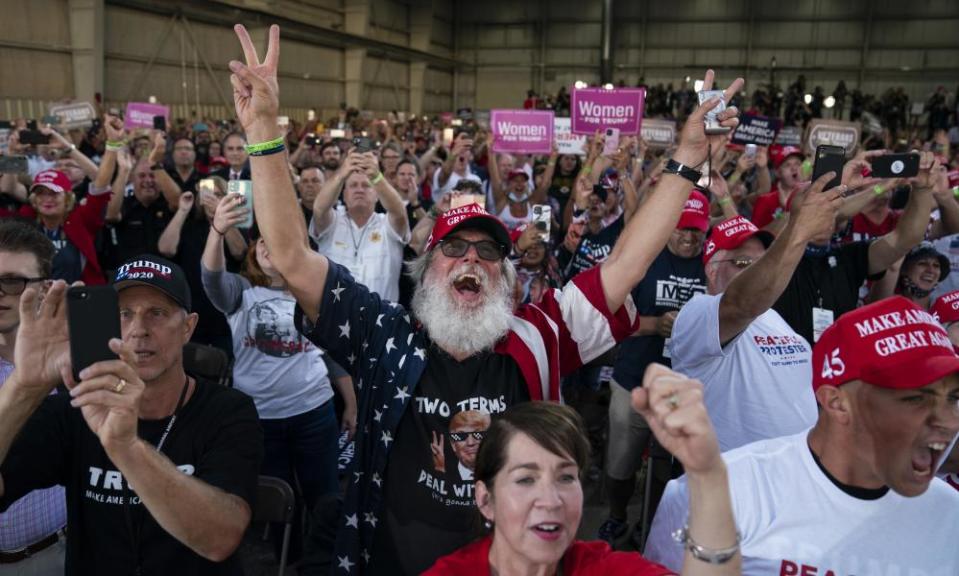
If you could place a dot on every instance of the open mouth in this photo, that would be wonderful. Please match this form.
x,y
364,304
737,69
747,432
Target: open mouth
x,y
144,355
924,461
548,530
467,284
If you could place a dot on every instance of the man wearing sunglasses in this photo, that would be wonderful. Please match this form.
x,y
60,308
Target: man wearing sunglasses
x,y
755,369
31,538
463,345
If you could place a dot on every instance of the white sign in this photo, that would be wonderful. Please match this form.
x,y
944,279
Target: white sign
x,y
566,141
76,115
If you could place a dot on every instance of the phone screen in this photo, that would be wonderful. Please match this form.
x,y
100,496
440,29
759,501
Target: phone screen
x,y
244,187
712,123
447,137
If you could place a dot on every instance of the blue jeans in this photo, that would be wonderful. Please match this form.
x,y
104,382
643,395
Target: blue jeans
x,y
305,447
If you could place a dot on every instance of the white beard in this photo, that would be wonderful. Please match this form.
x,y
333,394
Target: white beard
x,y
459,330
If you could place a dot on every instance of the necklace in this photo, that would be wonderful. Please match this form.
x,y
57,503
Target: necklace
x,y
357,244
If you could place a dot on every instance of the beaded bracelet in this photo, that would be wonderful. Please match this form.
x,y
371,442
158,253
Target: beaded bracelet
x,y
115,145
878,190
266,148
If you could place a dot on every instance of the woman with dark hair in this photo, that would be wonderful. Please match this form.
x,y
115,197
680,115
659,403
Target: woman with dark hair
x,y
281,370
529,492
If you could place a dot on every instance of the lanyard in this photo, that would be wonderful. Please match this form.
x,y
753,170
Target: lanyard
x,y
134,528
356,245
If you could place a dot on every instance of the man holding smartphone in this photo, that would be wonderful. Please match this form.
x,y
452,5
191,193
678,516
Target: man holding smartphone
x,y
159,467
31,530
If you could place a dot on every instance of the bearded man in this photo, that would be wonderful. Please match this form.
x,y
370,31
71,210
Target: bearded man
x,y
465,347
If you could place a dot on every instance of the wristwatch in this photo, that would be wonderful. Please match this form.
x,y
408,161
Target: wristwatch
x,y
674,167
707,555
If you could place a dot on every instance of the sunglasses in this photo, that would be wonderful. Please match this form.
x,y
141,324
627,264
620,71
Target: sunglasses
x,y
16,286
463,436
485,249
741,263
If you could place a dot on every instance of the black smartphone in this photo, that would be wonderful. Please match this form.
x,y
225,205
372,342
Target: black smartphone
x,y
93,318
13,164
362,144
159,123
829,159
33,137
31,124
895,166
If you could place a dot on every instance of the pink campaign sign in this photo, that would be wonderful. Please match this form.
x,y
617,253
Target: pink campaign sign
x,y
522,131
597,108
140,114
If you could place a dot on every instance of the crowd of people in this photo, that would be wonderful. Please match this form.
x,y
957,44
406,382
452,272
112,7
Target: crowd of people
x,y
486,333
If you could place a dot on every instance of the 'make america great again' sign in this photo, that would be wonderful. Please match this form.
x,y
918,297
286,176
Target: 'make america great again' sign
x,y
597,109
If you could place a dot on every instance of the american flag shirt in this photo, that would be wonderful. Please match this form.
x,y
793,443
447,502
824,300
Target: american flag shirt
x,y
385,351
36,515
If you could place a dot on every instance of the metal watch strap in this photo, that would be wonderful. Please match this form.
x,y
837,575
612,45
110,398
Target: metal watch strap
x,y
674,167
708,555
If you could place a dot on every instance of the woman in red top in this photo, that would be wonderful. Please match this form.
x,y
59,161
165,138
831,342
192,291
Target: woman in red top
x,y
528,490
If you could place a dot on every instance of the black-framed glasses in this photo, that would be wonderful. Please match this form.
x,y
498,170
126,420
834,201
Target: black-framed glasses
x,y
478,435
486,249
13,286
741,263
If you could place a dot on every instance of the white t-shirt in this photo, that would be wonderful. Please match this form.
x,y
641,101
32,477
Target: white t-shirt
x,y
759,386
794,520
373,253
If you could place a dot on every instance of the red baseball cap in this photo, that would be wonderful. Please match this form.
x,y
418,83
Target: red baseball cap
x,y
953,176
730,234
946,308
469,216
517,172
52,179
779,154
695,213
892,344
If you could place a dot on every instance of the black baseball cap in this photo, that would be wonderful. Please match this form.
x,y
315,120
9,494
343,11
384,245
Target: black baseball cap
x,y
155,272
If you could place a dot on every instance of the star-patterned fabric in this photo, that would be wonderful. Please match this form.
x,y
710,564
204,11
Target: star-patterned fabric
x,y
385,351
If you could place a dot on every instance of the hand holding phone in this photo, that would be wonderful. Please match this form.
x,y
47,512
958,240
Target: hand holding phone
x,y
611,145
542,217
712,122
895,166
245,188
829,159
13,164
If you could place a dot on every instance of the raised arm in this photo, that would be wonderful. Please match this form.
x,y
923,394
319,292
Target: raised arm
x,y
60,141
124,168
389,197
170,190
911,227
948,222
256,96
169,241
758,287
646,234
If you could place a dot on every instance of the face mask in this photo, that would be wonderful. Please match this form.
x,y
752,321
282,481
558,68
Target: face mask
x,y
518,199
909,288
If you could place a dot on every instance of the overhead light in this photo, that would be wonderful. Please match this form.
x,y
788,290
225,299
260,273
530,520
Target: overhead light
x,y
152,99
579,84
311,114
807,98
697,86
687,79
829,102
608,85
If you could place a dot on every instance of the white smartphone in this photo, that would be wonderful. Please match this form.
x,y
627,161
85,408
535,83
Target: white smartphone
x,y
244,187
283,120
447,137
750,151
337,133
712,123
612,142
543,216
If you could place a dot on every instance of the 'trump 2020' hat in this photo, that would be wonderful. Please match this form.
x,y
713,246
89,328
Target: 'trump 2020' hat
x,y
892,344
155,272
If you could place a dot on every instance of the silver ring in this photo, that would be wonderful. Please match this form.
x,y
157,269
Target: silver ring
x,y
121,384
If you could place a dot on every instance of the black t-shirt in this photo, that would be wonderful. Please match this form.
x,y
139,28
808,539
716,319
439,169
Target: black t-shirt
x,y
429,506
140,228
188,185
216,438
669,283
212,327
834,277
593,250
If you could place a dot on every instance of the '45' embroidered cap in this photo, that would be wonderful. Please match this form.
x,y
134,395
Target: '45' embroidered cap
x,y
892,343
155,272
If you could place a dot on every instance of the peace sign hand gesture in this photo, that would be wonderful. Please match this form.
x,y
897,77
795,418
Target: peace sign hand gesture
x,y
255,89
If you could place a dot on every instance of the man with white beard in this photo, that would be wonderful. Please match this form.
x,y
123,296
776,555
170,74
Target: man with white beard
x,y
464,348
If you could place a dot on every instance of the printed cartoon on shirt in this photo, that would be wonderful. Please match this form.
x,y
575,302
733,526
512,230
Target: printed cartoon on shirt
x,y
270,330
454,446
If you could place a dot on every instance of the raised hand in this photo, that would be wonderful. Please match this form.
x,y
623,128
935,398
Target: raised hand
x,y
672,405
256,93
852,170
928,172
114,128
814,210
439,456
42,353
159,149
108,396
229,212
186,202
694,144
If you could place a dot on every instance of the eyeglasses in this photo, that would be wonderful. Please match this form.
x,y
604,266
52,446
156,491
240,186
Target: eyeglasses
x,y
16,286
463,436
485,249
741,263
390,157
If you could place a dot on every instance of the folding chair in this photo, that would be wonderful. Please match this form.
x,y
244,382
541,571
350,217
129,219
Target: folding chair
x,y
207,362
275,502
